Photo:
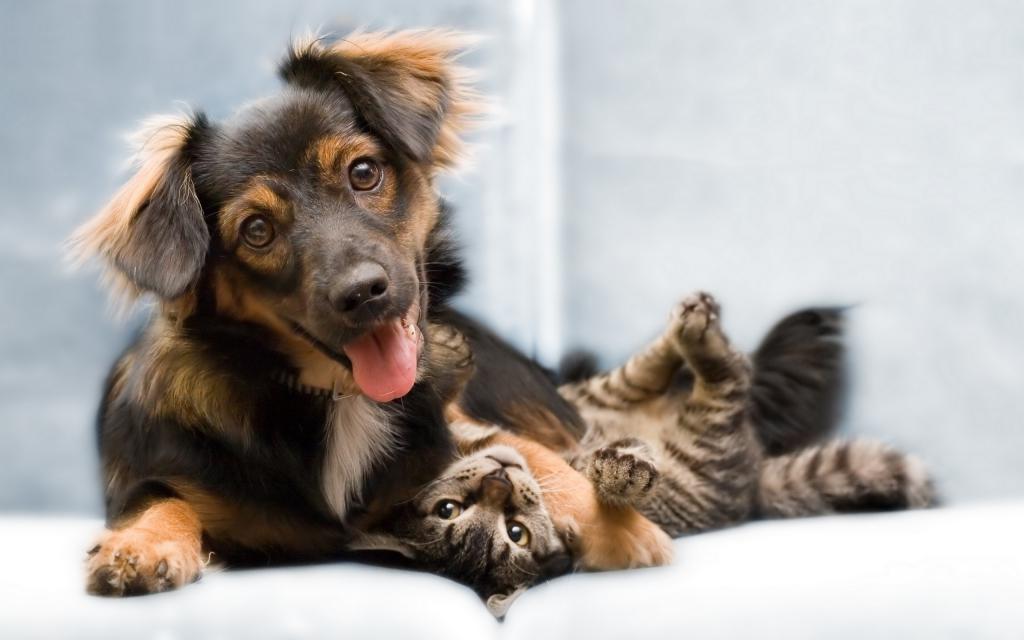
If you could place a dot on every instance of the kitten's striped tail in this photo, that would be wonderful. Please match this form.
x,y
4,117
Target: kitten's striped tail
x,y
799,380
843,477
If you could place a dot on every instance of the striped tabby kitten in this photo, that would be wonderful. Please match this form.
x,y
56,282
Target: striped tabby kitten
x,y
693,459
683,434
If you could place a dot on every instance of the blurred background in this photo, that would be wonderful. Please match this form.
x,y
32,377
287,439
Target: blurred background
x,y
777,154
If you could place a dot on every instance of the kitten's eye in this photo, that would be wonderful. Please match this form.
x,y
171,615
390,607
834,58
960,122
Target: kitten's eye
x,y
448,509
257,232
364,174
518,533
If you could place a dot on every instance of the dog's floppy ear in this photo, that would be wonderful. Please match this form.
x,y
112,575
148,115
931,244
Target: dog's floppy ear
x,y
405,86
152,234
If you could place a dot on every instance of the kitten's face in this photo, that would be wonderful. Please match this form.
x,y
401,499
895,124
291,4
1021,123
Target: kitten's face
x,y
482,523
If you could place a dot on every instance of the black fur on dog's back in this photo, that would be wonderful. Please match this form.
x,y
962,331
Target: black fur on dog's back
x,y
513,391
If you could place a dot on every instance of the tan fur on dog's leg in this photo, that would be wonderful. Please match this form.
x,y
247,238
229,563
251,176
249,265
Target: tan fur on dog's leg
x,y
609,537
157,551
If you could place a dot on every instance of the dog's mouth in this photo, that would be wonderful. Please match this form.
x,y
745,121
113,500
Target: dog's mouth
x,y
384,359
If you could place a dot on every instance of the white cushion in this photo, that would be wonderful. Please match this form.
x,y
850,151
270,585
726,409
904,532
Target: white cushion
x,y
943,573
956,572
42,593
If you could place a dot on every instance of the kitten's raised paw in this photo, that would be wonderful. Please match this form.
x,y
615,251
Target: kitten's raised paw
x,y
623,472
452,344
695,316
451,358
131,562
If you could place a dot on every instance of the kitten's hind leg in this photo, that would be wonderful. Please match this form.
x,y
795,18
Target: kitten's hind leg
x,y
645,375
720,372
709,459
843,477
623,472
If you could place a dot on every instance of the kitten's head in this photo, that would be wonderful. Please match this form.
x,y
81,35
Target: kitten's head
x,y
481,523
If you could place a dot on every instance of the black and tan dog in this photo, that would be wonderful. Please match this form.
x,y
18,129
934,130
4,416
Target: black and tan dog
x,y
298,253
295,251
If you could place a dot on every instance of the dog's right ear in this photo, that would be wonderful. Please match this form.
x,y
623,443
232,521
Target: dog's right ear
x,y
152,234
405,86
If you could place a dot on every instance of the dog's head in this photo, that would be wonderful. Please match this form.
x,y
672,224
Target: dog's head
x,y
309,212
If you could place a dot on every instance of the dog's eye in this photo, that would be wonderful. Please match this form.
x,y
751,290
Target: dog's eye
x,y
364,174
518,533
257,232
447,509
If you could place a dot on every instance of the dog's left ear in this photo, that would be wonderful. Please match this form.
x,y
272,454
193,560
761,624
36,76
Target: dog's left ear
x,y
152,234
405,86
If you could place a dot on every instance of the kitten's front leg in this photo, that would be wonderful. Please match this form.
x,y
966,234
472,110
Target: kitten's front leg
x,y
623,472
606,536
450,361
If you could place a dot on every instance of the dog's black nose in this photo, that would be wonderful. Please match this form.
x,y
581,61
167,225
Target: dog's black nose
x,y
365,282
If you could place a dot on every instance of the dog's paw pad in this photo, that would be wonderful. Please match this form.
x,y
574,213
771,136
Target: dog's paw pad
x,y
134,562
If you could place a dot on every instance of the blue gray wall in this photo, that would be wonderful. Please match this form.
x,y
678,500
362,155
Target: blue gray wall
x,y
775,153
780,153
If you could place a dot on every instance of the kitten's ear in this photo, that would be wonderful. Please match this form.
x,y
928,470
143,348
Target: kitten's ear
x,y
405,86
569,533
381,542
152,234
498,604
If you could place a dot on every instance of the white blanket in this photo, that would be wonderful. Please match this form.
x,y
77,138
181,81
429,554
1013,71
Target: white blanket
x,y
947,573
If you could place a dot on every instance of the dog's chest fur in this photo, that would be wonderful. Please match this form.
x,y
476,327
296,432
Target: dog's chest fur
x,y
359,435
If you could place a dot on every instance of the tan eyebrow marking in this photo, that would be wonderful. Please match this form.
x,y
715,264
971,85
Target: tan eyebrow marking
x,y
327,154
331,154
259,197
263,196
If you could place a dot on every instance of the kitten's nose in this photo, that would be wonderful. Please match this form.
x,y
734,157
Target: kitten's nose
x,y
495,488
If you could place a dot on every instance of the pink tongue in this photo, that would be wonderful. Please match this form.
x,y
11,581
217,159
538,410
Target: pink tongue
x,y
384,362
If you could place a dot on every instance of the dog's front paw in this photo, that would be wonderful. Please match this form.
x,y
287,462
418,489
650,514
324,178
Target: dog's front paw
x,y
624,472
130,562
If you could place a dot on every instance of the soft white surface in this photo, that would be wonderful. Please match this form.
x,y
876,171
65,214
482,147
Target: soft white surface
x,y
42,594
950,573
938,574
